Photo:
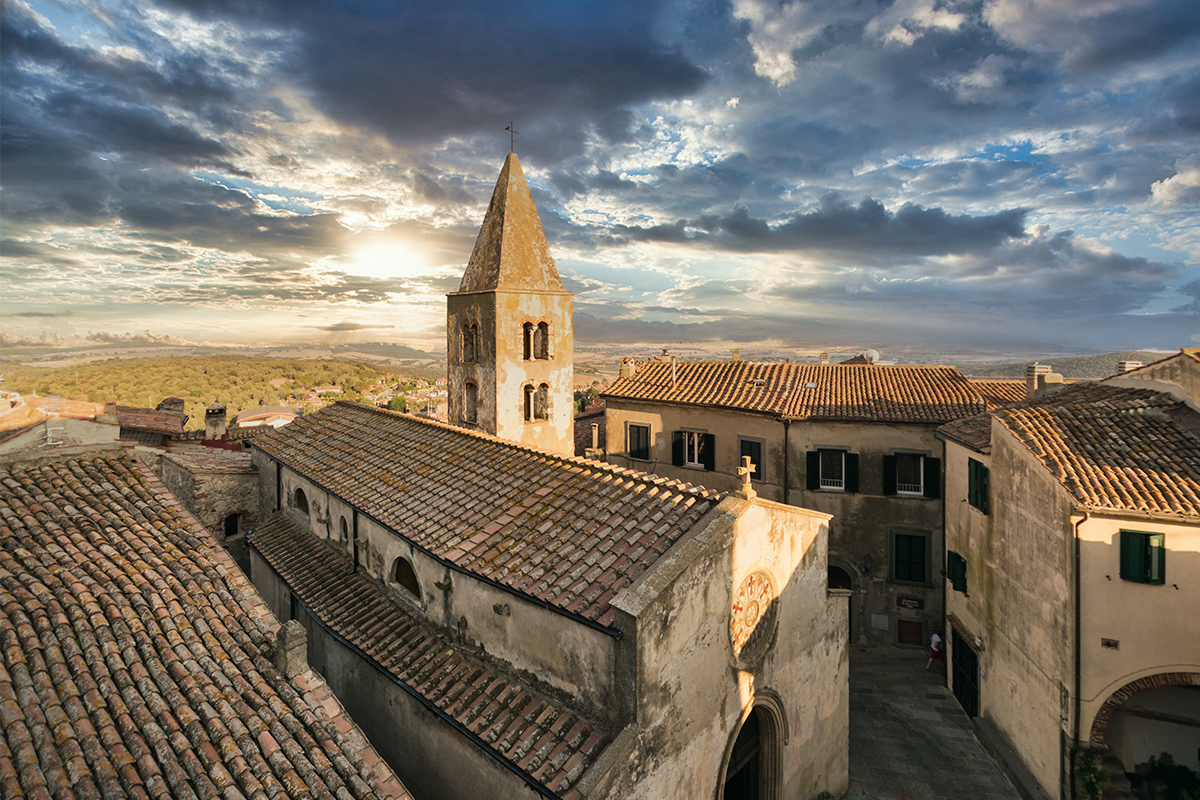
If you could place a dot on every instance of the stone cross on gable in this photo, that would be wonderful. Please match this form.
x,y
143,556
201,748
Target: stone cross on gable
x,y
745,471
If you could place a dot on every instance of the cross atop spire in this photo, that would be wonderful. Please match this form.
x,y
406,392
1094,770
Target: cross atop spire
x,y
512,137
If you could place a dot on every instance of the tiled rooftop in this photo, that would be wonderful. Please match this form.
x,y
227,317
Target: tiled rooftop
x,y
566,531
149,419
197,458
1114,448
535,733
832,392
999,392
134,658
974,432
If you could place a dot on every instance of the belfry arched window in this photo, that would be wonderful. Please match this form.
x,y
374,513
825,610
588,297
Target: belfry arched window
x,y
527,339
541,341
541,402
528,401
470,343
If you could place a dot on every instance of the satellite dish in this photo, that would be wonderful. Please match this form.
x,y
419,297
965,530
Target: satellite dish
x,y
871,356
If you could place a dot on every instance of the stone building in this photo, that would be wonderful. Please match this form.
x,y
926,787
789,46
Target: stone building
x,y
852,440
503,618
509,344
139,662
1073,572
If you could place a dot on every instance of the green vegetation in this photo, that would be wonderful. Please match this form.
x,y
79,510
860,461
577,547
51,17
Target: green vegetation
x,y
1090,773
238,382
398,404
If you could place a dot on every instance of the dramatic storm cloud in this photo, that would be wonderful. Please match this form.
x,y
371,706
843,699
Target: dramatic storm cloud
x,y
1012,172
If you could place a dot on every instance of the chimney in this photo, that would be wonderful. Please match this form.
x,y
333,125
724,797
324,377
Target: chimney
x,y
1128,366
824,358
628,368
595,435
214,422
1048,383
1032,371
595,452
737,354
290,652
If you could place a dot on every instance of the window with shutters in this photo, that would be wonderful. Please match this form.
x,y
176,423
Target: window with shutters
x,y
912,475
977,485
1143,557
754,449
638,444
956,571
692,449
910,557
832,470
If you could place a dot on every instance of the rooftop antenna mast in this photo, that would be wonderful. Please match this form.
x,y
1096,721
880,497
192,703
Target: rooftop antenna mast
x,y
512,137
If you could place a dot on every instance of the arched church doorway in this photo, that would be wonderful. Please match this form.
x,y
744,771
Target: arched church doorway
x,y
742,774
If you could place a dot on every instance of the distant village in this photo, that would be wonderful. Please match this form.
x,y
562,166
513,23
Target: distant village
x,y
507,582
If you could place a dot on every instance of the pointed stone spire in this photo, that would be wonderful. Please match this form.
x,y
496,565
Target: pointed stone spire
x,y
511,251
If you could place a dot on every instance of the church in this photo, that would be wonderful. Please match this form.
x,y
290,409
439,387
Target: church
x,y
505,619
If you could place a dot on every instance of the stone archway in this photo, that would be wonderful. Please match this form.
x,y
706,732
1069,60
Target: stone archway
x,y
753,765
1161,680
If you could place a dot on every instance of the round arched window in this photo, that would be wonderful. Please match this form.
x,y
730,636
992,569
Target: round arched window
x,y
300,501
403,574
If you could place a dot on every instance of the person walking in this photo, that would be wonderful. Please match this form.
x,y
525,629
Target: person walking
x,y
935,650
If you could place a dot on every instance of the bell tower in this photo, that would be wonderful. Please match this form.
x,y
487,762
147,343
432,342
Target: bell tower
x,y
509,344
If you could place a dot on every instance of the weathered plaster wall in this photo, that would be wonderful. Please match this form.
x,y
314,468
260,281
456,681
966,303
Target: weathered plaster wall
x,y
212,496
427,753
70,432
502,371
968,533
1178,375
1157,627
693,693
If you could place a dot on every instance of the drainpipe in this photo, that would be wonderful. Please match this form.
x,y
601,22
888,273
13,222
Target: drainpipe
x,y
1077,703
787,480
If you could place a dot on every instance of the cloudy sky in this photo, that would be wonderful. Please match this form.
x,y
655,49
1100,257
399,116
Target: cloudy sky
x,y
1023,173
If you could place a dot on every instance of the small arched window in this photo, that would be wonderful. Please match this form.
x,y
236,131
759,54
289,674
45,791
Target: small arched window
x,y
345,530
300,501
470,402
541,402
403,574
528,411
527,338
541,341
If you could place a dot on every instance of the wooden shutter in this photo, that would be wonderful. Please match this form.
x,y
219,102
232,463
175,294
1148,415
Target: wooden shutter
x,y
1156,558
1133,556
708,450
677,448
956,570
851,472
813,467
889,474
932,477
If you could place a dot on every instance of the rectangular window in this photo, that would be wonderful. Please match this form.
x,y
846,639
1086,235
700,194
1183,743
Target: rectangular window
x,y
909,474
977,485
1143,557
753,448
956,571
832,470
639,441
908,557
692,449
912,474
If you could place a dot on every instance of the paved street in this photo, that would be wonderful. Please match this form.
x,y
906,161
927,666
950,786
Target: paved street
x,y
909,739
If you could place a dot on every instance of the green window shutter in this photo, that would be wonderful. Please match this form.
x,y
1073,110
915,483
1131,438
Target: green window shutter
x,y
1133,556
1156,558
677,448
813,468
973,482
851,472
956,571
932,476
708,451
889,474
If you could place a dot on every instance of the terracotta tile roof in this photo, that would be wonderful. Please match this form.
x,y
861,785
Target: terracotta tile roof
x,y
197,458
569,532
134,655
999,392
533,732
833,392
149,420
974,432
1113,447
